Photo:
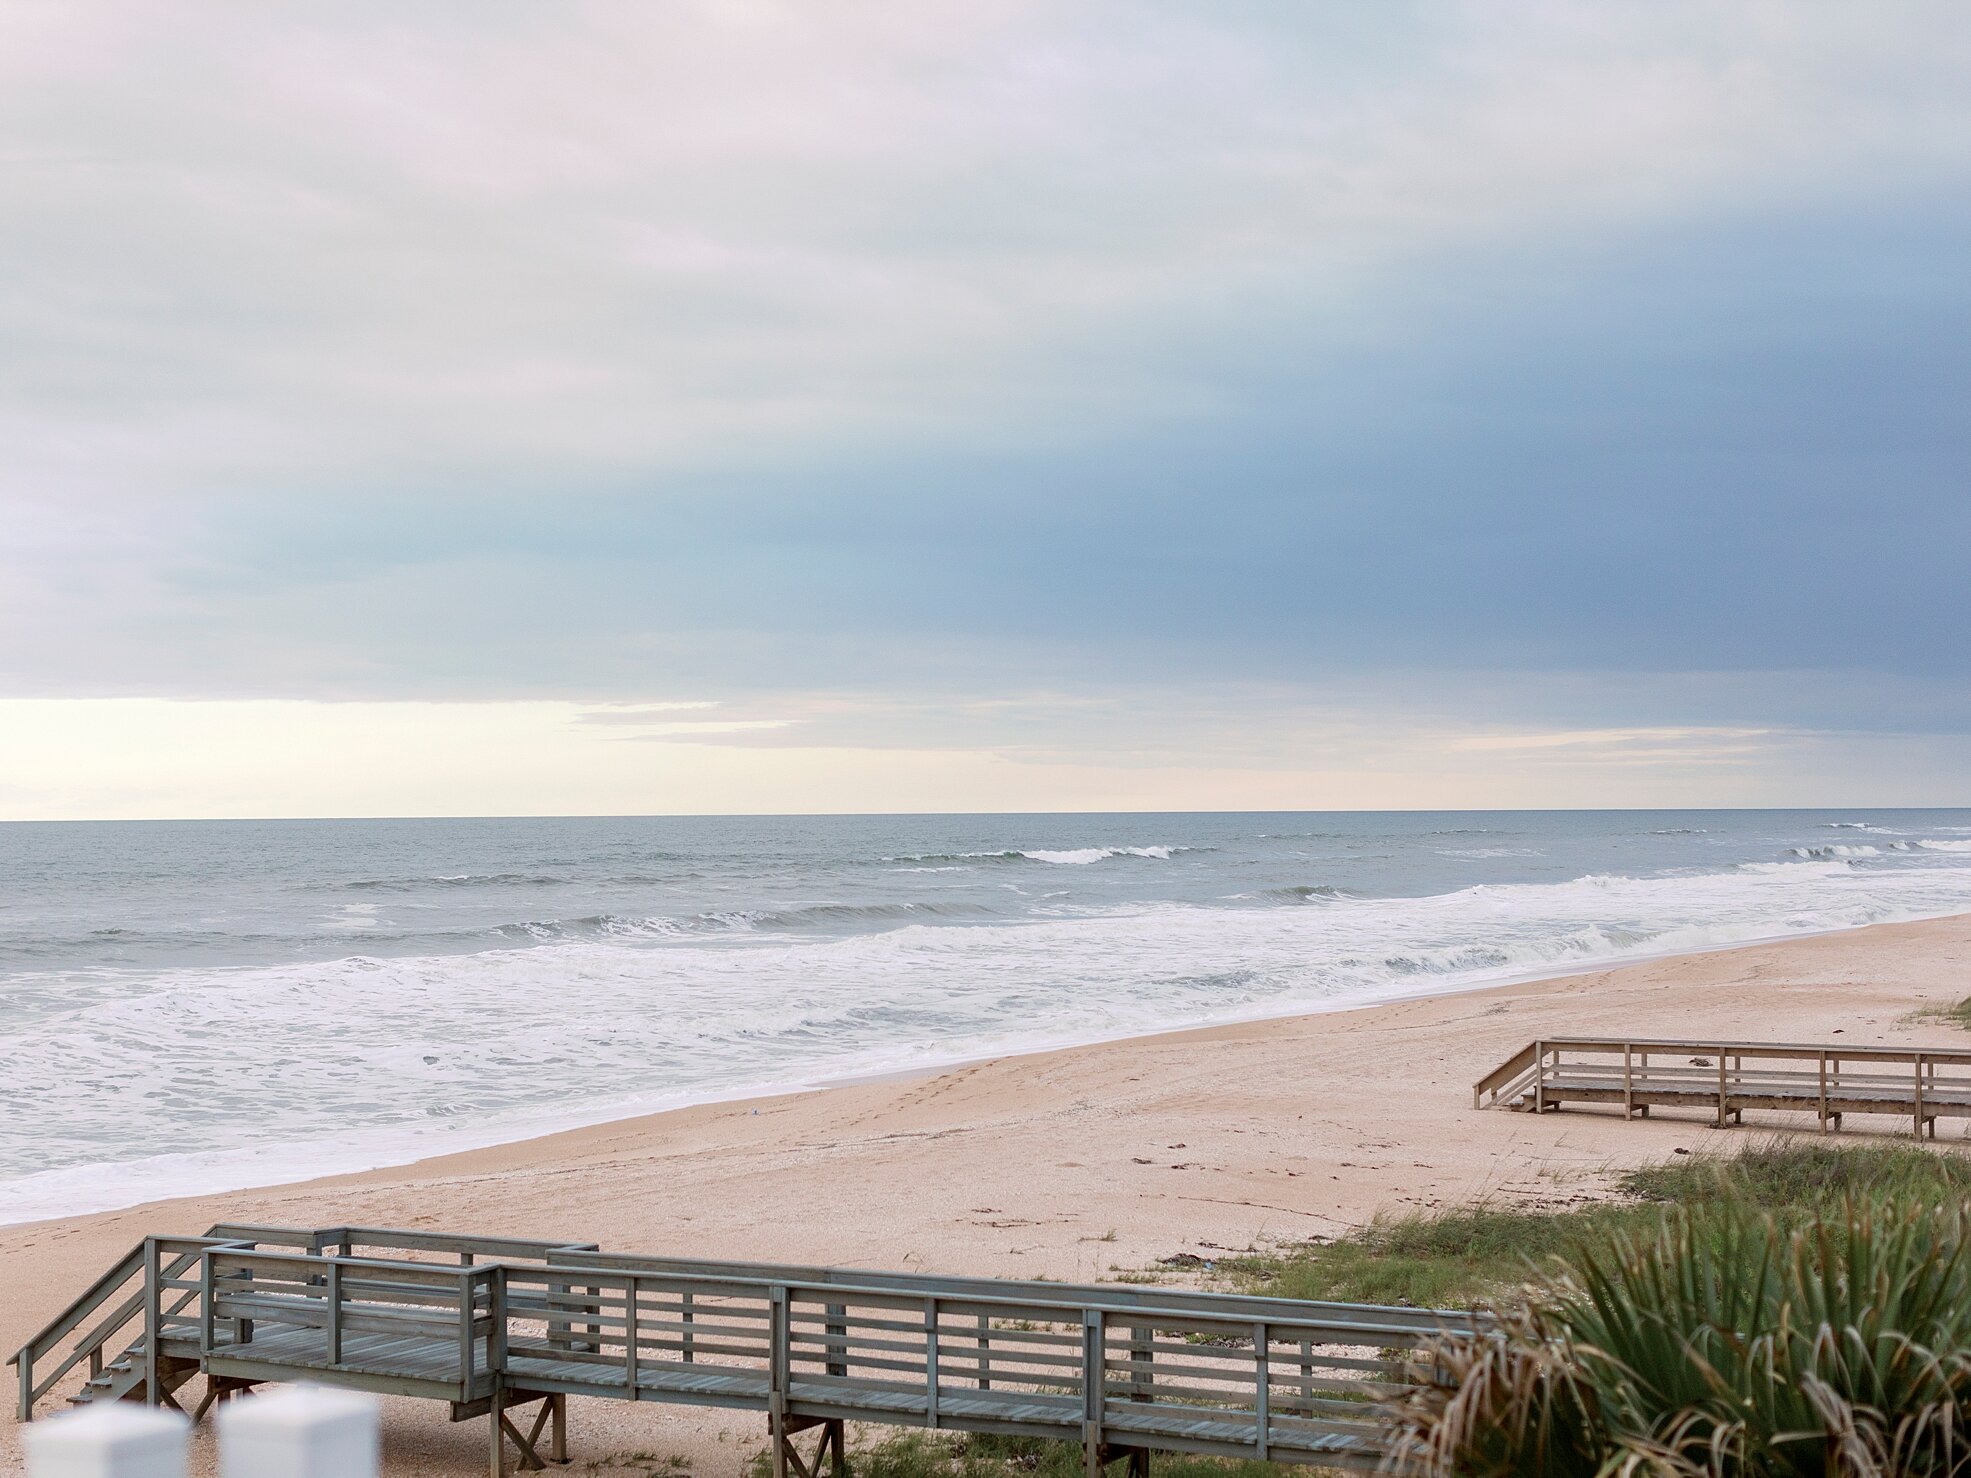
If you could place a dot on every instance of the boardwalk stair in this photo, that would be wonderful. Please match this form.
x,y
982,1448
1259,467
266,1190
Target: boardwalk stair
x,y
120,1380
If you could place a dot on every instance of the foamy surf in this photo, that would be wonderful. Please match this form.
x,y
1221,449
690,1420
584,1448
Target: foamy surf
x,y
760,964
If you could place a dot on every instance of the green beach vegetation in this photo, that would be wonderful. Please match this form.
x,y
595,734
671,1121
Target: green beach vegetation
x,y
1473,1255
1958,1015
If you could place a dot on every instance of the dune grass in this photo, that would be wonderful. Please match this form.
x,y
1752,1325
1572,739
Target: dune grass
x,y
1462,1256
1958,1015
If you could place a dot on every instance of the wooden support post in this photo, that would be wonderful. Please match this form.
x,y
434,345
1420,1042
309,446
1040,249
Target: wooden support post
x,y
243,1327
1919,1095
527,1454
218,1391
495,1318
1262,1389
206,1316
836,1345
632,1338
496,1427
1721,1090
778,1331
557,1329
931,1363
1539,1077
1628,1084
1094,1357
1823,1093
335,1313
530,1456
559,1451
153,1320
985,1353
468,1306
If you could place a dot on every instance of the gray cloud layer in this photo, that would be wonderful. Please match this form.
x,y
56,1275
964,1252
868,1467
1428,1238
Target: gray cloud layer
x,y
630,351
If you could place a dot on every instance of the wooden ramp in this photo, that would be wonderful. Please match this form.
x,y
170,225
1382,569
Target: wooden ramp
x,y
489,1325
1725,1079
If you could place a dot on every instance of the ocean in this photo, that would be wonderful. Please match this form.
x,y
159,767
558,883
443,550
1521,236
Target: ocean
x,y
199,1006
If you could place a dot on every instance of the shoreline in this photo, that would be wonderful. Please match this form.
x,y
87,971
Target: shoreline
x,y
383,1157
1079,1163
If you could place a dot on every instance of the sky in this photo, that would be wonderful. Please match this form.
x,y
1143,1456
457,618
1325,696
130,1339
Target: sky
x,y
494,408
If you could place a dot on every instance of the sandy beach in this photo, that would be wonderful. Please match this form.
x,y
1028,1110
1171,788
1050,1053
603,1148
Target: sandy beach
x,y
1072,1164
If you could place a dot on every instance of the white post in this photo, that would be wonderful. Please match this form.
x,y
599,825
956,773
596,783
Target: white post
x,y
301,1432
109,1441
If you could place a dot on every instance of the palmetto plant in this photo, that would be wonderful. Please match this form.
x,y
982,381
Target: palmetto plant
x,y
1721,1345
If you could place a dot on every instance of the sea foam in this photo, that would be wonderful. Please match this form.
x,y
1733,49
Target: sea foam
x,y
370,1059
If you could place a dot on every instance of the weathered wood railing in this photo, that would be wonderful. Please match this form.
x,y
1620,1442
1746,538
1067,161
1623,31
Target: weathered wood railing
x,y
1113,1295
1827,1080
355,1241
1249,1378
135,1312
409,1328
1120,1370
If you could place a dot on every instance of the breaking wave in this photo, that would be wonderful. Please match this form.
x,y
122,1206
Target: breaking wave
x,y
745,921
1064,857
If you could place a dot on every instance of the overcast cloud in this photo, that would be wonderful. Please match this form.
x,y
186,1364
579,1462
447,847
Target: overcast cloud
x,y
941,374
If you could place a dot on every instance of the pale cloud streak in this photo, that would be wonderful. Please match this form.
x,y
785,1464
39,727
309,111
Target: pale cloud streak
x,y
72,758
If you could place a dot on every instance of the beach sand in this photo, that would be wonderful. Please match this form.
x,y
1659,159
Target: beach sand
x,y
1072,1164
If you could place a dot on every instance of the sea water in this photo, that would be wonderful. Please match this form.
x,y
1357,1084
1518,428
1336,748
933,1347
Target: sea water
x,y
204,1005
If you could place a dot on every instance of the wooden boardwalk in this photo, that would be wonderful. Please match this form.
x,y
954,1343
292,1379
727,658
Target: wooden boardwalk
x,y
491,1325
1827,1080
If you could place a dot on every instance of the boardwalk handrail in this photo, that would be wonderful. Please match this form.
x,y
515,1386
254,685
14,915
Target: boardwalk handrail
x,y
1497,1081
1734,1048
144,1263
1117,1297
572,1254
468,1247
1827,1079
1432,1321
1120,1370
